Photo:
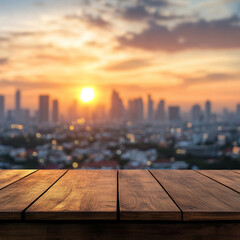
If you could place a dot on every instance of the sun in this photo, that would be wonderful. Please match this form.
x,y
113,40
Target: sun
x,y
87,94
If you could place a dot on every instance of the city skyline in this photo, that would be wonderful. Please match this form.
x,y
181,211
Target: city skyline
x,y
184,52
49,110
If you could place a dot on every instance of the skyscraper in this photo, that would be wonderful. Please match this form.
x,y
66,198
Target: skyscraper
x,y
55,111
43,108
160,114
135,109
150,108
18,101
117,108
208,111
18,112
238,109
174,113
2,109
196,113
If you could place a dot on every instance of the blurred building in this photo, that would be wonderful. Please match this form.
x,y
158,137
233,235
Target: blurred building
x,y
150,108
117,108
135,109
25,115
10,115
55,111
196,113
2,109
160,113
208,111
43,108
238,110
174,113
18,110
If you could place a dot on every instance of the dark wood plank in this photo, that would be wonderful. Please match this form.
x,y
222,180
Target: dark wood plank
x,y
120,230
79,194
199,197
19,195
9,176
226,177
142,198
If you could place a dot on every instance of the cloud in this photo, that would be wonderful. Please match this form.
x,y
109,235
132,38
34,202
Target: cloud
x,y
154,3
65,58
93,21
210,78
140,11
126,65
40,82
39,4
135,13
4,39
217,34
3,61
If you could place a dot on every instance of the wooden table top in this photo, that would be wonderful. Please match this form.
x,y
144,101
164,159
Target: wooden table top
x,y
163,195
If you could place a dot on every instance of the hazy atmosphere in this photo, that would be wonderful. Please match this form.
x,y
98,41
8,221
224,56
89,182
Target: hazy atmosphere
x,y
184,51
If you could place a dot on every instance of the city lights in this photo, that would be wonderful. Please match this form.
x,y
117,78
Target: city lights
x,y
75,165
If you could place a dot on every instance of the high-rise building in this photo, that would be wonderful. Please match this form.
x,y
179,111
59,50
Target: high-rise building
x,y
55,111
208,111
238,109
160,114
117,108
196,113
43,108
18,110
174,113
10,114
18,101
25,115
150,108
135,109
2,109
225,114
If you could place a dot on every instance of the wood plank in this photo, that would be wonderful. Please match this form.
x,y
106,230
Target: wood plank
x,y
79,195
142,198
237,171
226,177
199,197
111,230
9,176
19,195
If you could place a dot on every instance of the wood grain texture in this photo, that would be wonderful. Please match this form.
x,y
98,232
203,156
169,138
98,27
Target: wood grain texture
x,y
237,171
79,195
9,176
19,195
226,177
142,198
199,197
120,230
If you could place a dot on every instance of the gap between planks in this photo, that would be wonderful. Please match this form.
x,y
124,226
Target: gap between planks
x,y
217,180
19,179
118,202
23,212
167,194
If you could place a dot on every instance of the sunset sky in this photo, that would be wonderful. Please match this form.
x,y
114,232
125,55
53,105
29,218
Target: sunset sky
x,y
185,51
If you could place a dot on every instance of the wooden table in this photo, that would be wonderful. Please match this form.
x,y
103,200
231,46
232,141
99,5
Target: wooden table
x,y
124,204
